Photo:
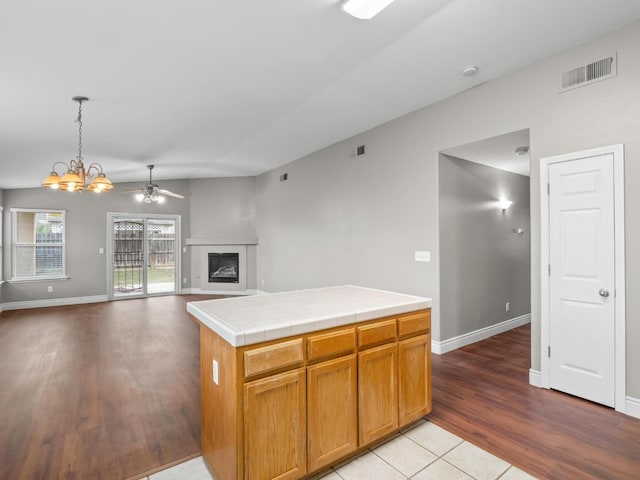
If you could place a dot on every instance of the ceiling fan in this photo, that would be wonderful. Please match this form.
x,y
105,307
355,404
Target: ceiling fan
x,y
151,193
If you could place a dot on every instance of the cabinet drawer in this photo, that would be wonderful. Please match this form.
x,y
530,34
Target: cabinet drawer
x,y
273,357
414,324
331,344
377,333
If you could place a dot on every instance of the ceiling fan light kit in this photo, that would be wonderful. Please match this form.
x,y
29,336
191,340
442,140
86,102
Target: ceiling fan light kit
x,y
151,193
76,176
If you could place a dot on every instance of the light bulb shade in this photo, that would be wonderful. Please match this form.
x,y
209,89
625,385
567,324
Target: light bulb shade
x,y
71,182
365,9
139,197
100,184
160,199
52,181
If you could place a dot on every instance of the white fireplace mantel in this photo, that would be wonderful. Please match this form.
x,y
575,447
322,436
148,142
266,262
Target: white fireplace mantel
x,y
223,241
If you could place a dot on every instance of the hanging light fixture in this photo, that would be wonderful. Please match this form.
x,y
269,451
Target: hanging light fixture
x,y
76,176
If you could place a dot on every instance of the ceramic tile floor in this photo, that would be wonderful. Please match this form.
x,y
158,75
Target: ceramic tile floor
x,y
424,452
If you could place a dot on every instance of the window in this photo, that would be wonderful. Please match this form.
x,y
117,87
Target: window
x,y
38,244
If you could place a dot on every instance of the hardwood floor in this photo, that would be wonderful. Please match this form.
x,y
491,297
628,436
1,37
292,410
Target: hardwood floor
x,y
111,391
99,391
481,393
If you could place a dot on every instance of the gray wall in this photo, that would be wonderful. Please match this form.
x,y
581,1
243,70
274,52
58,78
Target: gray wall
x,y
86,232
224,207
339,219
221,207
483,262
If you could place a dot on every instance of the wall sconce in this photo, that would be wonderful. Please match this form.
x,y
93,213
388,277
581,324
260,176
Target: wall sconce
x,y
504,205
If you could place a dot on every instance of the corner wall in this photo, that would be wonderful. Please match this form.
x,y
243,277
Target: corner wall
x,y
340,219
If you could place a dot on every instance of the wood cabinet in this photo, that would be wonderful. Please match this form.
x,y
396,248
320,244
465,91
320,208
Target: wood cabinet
x,y
332,411
414,379
288,408
377,393
275,432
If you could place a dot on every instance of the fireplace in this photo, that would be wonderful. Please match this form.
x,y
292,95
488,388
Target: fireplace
x,y
224,267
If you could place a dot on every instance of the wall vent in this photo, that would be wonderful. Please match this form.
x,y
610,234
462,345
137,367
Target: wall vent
x,y
284,177
360,150
589,73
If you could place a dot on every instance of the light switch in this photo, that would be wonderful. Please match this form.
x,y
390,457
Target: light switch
x,y
423,256
101,251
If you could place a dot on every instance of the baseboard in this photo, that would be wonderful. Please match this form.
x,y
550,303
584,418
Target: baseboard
x,y
54,302
633,407
472,337
200,291
535,378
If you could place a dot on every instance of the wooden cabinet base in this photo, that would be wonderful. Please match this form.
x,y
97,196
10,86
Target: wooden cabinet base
x,y
288,409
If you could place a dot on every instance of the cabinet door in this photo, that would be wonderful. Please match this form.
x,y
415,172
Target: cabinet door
x,y
275,427
332,410
414,378
377,393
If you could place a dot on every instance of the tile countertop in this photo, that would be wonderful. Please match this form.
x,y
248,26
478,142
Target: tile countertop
x,y
248,320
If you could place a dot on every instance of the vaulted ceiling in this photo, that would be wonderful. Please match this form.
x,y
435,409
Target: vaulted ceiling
x,y
230,88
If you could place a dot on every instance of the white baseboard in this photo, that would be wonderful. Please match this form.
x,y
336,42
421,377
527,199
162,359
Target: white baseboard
x,y
472,337
633,407
53,302
535,378
200,291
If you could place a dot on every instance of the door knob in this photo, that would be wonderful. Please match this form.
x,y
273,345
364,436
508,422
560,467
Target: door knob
x,y
603,292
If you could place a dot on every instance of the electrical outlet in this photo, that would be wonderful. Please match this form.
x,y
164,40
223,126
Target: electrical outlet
x,y
215,372
50,288
507,307
262,282
184,280
101,251
184,249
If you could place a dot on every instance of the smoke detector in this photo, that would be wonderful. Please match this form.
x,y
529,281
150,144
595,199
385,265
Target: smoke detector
x,y
522,150
470,70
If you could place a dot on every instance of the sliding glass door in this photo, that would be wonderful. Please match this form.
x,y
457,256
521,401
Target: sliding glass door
x,y
144,255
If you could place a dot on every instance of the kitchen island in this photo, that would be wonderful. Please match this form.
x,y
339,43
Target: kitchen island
x,y
293,382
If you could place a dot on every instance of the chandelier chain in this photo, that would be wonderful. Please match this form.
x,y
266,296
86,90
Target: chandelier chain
x,y
79,120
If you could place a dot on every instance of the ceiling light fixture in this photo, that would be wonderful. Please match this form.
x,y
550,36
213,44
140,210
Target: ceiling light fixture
x,y
504,204
75,178
365,9
522,150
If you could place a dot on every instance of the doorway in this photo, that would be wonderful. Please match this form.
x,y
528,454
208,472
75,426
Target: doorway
x,y
582,277
143,255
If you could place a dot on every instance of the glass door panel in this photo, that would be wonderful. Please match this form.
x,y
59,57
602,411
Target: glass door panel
x,y
144,256
128,257
161,248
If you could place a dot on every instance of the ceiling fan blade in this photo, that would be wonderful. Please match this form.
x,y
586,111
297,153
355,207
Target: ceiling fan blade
x,y
171,194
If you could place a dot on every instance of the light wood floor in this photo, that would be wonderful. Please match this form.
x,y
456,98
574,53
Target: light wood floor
x,y
111,391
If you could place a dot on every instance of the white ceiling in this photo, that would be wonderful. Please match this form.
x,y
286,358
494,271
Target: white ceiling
x,y
206,88
497,152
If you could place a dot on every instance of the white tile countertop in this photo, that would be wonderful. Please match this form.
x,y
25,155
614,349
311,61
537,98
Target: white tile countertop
x,y
248,320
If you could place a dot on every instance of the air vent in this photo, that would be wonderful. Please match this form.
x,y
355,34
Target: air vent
x,y
586,74
284,177
359,150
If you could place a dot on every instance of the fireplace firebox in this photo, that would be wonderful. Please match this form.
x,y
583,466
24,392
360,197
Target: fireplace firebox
x,y
223,267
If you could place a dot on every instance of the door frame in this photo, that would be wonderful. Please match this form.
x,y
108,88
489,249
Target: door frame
x,y
619,265
177,256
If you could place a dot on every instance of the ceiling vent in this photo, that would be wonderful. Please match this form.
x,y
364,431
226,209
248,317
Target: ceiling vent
x,y
592,72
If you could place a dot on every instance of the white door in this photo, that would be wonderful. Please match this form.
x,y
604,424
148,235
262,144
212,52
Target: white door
x,y
582,278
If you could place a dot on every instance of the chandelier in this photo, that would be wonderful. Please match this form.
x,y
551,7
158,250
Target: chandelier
x,y
76,177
